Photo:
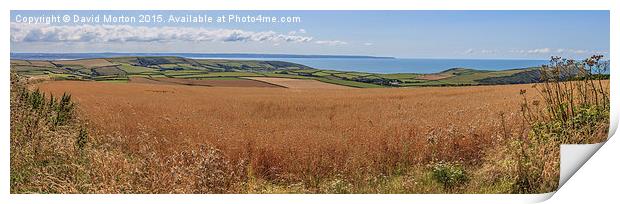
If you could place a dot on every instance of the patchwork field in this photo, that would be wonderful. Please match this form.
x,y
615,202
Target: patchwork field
x,y
298,83
122,68
212,82
87,63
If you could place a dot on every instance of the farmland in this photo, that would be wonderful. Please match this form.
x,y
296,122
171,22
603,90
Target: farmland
x,y
215,82
298,83
121,69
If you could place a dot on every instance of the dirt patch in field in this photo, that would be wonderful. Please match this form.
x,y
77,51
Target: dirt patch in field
x,y
204,82
298,83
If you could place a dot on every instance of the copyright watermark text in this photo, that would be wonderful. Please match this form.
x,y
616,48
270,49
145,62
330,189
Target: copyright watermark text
x,y
154,19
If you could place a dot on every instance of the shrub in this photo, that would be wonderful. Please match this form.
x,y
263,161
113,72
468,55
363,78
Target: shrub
x,y
81,139
450,175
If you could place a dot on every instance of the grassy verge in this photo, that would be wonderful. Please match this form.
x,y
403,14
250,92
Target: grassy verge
x,y
569,112
47,143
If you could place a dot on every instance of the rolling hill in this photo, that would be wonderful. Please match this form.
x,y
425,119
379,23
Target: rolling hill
x,y
120,69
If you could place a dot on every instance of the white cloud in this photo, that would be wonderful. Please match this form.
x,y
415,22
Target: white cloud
x,y
517,51
557,51
483,51
368,44
488,51
532,51
330,42
300,31
598,52
539,51
582,51
577,51
125,33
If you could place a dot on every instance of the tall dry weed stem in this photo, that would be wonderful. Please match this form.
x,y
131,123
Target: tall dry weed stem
x,y
573,109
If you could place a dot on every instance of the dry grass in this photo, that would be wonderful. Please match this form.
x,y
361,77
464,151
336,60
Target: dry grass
x,y
302,137
573,109
44,157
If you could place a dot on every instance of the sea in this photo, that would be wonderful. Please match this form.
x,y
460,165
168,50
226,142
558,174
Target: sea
x,y
330,62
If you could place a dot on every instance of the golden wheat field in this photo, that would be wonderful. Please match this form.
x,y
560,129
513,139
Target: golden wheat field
x,y
174,138
301,132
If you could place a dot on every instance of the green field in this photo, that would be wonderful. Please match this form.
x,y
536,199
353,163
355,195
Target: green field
x,y
134,69
121,68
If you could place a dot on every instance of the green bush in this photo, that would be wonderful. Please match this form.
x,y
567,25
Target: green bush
x,y
449,175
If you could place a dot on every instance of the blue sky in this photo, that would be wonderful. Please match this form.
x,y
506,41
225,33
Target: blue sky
x,y
405,34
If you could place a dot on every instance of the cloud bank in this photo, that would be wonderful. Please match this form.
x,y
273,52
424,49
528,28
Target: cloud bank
x,y
537,51
124,33
330,42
